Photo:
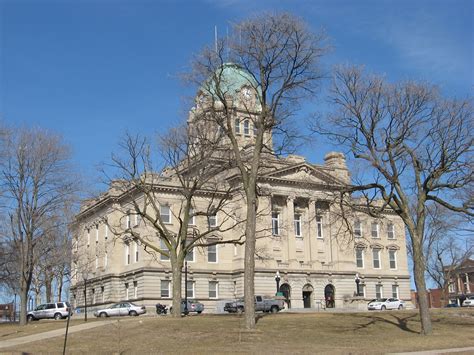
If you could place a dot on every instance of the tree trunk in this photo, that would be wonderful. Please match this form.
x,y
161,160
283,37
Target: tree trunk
x,y
177,284
60,281
419,275
48,285
23,304
249,263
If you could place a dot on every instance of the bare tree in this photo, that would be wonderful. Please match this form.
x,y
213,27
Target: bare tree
x,y
275,58
36,181
415,147
195,174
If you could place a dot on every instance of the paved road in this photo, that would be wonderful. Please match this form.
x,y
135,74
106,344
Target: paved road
x,y
50,334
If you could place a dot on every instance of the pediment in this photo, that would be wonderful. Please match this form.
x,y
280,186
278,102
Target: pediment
x,y
303,173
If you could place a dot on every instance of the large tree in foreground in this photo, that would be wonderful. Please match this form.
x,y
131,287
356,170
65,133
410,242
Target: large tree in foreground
x,y
36,180
275,58
203,203
416,150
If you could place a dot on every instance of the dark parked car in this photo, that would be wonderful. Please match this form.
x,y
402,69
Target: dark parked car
x,y
193,306
56,310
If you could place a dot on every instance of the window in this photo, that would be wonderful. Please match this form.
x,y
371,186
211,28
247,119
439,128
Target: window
x,y
378,291
127,220
451,288
136,251
390,231
275,223
319,226
192,217
395,291
190,255
360,257
376,258
126,291
246,127
212,253
237,126
127,253
375,230
165,214
102,292
164,248
212,220
357,229
88,237
362,290
137,219
165,288
190,289
96,234
93,295
297,219
135,289
392,256
213,289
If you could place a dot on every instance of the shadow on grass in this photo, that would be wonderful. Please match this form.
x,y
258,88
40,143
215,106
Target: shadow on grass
x,y
398,321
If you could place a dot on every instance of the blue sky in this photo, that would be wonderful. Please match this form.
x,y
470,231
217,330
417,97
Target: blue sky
x,y
91,70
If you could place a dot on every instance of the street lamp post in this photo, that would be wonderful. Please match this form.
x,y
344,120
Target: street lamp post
x,y
14,309
84,277
186,288
277,280
357,281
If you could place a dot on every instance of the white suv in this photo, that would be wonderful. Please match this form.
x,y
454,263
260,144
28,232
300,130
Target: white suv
x,y
56,310
468,302
385,303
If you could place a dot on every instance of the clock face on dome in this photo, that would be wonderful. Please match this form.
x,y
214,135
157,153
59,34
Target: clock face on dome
x,y
247,93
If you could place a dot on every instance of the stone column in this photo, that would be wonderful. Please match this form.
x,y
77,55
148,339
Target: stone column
x,y
467,283
311,251
290,230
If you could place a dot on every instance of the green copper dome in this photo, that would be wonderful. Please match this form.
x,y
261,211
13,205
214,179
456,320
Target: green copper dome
x,y
231,78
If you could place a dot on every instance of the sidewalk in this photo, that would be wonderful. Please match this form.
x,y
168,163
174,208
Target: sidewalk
x,y
469,350
50,334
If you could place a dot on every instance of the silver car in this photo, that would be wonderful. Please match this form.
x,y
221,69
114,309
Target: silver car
x,y
57,310
121,309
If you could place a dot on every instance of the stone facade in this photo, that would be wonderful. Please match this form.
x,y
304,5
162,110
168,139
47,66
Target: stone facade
x,y
301,235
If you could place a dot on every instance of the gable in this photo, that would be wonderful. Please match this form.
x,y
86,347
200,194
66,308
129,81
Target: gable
x,y
303,173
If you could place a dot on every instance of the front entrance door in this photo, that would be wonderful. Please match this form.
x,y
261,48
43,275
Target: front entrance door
x,y
307,299
329,296
286,290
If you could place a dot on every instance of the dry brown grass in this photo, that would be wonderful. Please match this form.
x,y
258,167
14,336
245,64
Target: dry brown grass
x,y
377,332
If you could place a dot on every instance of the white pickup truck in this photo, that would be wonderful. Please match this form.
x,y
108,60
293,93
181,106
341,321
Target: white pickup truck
x,y
261,305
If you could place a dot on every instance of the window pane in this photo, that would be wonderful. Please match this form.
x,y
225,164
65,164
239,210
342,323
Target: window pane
x,y
237,125
212,221
357,229
165,214
391,231
190,255
394,291
165,248
246,127
275,223
212,253
375,230
319,226
297,225
190,289
360,258
376,257
378,291
165,288
213,289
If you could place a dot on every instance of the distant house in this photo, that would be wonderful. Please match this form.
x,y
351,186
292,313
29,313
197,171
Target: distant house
x,y
461,281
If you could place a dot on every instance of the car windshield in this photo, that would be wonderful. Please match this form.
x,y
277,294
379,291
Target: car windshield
x,y
381,299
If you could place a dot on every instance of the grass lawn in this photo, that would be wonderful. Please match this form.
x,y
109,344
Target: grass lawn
x,y
376,332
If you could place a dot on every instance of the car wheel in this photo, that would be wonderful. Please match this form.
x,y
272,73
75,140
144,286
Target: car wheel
x,y
274,309
133,313
58,316
400,307
103,315
30,318
383,308
199,312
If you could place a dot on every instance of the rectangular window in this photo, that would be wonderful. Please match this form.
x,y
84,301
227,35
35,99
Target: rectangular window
x,y
126,291
97,234
362,290
190,255
360,257
165,214
246,127
136,251
192,217
390,231
165,288
319,226
164,248
213,289
190,289
357,229
275,223
127,254
93,296
297,219
137,219
212,253
212,220
102,292
376,258
237,126
375,230
127,221
135,289
451,288
392,255
378,291
395,291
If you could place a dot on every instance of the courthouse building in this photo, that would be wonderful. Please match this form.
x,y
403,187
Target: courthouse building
x,y
303,237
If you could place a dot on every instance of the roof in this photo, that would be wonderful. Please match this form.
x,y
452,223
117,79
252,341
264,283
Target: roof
x,y
231,78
